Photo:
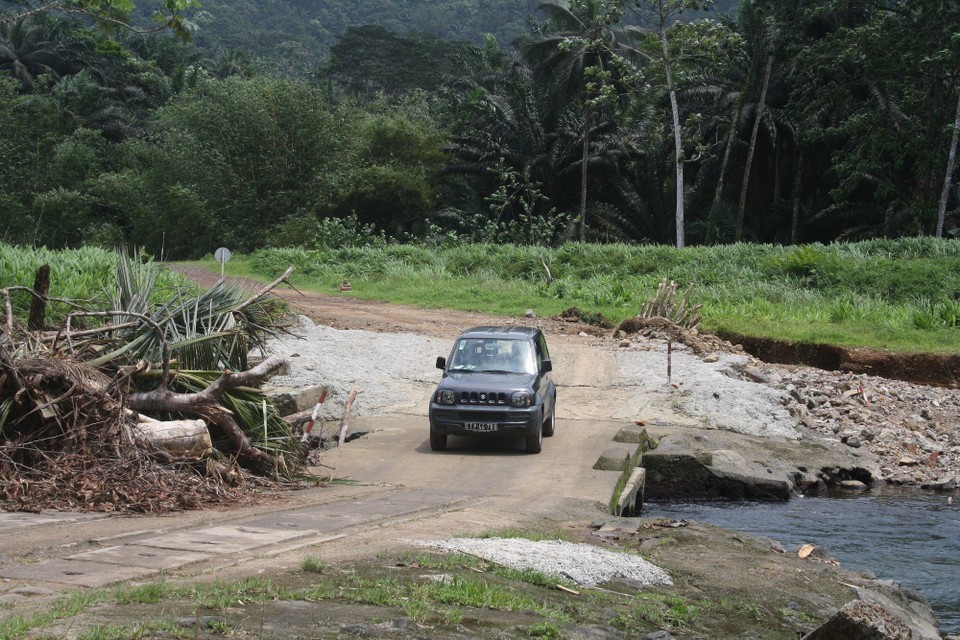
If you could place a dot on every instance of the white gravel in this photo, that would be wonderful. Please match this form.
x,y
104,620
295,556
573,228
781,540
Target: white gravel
x,y
582,563
712,391
395,373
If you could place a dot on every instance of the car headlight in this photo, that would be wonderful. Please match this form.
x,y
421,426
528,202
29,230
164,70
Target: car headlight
x,y
521,399
446,396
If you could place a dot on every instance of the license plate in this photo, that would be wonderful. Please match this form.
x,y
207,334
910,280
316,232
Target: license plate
x,y
481,426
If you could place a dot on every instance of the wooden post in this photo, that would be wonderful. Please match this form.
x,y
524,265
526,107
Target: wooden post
x,y
345,422
669,358
38,303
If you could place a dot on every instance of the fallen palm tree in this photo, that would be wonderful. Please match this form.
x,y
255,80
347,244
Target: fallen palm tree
x,y
113,397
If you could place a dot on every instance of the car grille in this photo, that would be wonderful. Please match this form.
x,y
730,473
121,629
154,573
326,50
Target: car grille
x,y
483,397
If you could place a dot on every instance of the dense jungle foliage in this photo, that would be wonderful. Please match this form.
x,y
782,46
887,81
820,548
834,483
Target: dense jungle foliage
x,y
641,121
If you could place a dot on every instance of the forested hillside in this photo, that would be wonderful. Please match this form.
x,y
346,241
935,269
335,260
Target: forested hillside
x,y
603,120
297,33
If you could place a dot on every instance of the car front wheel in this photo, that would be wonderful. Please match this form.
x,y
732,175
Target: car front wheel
x,y
550,424
535,442
438,441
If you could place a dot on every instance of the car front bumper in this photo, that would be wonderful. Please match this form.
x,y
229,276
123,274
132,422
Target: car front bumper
x,y
460,420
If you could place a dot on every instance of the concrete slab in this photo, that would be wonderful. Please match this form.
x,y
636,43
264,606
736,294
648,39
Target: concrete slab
x,y
136,556
337,515
221,540
16,519
75,573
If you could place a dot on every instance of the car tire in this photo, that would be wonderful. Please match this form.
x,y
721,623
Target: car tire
x,y
438,441
535,442
550,424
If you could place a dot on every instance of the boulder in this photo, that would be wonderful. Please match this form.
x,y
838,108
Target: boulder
x,y
681,467
634,434
859,620
943,484
887,612
290,400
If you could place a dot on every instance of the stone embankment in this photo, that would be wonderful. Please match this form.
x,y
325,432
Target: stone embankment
x,y
913,429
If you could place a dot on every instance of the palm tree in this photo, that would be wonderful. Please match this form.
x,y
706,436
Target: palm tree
x,y
948,176
26,51
664,13
232,62
580,56
761,108
515,129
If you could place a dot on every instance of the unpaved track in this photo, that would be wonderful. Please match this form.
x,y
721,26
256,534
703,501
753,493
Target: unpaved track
x,y
471,487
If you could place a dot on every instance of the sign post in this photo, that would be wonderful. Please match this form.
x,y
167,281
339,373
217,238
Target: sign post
x,y
222,255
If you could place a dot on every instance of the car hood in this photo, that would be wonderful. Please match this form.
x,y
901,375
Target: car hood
x,y
470,379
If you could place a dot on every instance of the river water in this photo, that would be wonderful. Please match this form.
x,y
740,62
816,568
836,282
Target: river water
x,y
911,537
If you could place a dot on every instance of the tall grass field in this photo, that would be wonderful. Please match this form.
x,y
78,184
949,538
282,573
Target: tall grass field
x,y
84,276
902,294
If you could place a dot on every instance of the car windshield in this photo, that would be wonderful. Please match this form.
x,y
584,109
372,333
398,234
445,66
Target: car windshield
x,y
493,355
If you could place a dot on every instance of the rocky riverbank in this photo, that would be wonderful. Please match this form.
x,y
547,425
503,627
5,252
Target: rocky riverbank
x,y
913,429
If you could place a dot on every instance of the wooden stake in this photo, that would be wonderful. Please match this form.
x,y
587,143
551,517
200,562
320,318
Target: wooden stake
x,y
345,422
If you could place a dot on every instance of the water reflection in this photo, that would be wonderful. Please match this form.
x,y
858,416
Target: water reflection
x,y
912,537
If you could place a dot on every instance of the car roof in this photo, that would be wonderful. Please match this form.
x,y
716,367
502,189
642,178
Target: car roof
x,y
508,332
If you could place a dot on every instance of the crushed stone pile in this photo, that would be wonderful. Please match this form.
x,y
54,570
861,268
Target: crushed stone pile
x,y
584,564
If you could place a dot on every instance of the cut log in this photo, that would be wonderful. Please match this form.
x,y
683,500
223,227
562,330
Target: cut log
x,y
206,405
176,439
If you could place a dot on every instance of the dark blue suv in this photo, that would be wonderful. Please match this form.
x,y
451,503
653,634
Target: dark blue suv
x,y
496,380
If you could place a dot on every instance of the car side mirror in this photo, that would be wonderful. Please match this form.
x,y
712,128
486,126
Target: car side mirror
x,y
441,362
547,366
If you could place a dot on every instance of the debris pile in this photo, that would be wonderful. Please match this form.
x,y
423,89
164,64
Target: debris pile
x,y
149,409
66,445
912,428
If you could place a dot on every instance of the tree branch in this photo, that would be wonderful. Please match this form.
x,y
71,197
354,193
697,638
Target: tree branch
x,y
264,291
206,404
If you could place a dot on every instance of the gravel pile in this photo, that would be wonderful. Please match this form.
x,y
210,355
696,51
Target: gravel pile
x,y
393,372
710,387
582,563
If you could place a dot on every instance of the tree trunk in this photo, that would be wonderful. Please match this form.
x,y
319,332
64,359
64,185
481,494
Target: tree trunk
x,y
38,303
726,155
206,404
677,141
795,222
583,174
948,178
761,107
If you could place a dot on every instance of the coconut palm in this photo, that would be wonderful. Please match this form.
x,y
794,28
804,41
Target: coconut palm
x,y
26,51
516,129
580,56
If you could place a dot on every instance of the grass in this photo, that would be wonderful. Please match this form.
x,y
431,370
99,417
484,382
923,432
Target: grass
x,y
433,590
313,564
902,294
83,275
18,626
